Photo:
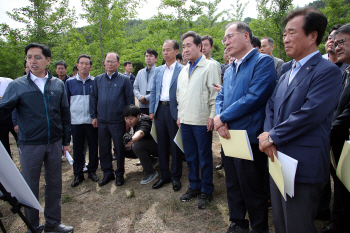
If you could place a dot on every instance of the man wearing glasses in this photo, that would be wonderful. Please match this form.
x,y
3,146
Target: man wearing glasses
x,y
109,94
240,105
340,126
44,133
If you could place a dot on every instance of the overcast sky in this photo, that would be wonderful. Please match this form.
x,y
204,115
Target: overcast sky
x,y
145,12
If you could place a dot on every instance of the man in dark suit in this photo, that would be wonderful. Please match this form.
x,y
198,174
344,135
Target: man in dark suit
x,y
341,121
163,108
298,120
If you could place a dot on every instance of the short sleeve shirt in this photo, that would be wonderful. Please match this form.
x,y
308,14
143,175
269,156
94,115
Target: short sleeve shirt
x,y
145,125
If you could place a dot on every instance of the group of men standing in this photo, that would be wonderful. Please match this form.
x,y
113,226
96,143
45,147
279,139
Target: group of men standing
x,y
293,117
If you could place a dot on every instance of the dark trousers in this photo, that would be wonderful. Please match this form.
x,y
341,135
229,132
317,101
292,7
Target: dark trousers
x,y
145,111
297,214
166,132
340,191
32,157
107,131
6,127
245,190
197,145
143,150
81,133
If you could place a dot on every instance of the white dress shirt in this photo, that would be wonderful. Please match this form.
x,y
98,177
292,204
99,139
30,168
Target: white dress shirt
x,y
167,76
238,62
40,82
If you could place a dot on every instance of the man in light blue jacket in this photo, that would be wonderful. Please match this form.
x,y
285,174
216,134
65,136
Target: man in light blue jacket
x,y
144,80
163,108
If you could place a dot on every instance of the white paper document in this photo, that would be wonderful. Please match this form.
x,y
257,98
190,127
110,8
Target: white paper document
x,y
154,131
69,158
14,183
289,169
178,140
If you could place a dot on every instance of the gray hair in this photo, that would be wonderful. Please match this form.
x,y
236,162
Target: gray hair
x,y
241,27
345,29
269,40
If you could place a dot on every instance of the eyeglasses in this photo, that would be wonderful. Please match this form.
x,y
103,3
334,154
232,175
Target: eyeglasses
x,y
36,57
111,61
229,36
340,43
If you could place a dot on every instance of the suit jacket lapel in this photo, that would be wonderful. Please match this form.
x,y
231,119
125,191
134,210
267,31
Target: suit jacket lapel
x,y
175,74
302,73
161,78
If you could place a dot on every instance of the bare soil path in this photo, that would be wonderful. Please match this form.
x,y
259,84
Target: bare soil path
x,y
133,207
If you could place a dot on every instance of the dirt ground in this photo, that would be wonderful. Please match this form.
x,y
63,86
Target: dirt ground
x,y
133,207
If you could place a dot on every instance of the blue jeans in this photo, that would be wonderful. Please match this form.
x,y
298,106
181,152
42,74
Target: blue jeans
x,y
197,146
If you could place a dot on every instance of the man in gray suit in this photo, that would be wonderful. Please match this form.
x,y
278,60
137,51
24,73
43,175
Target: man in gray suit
x,y
163,108
267,48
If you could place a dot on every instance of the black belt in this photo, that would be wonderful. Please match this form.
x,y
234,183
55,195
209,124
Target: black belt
x,y
164,102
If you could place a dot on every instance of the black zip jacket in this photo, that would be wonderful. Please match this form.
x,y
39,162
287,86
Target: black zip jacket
x,y
43,118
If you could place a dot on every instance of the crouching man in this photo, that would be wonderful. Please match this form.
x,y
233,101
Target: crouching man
x,y
141,143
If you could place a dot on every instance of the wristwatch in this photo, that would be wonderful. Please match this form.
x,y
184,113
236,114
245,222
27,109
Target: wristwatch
x,y
270,139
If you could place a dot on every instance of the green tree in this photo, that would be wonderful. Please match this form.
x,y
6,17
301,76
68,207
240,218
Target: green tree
x,y
45,20
269,22
238,10
184,13
106,18
11,52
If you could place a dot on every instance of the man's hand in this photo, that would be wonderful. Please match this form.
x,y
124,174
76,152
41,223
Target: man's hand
x,y
129,144
270,151
15,128
210,124
217,87
151,116
217,122
178,122
94,123
143,100
264,141
65,148
223,132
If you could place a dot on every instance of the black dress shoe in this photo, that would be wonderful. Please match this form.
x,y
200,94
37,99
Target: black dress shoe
x,y
334,227
92,176
219,166
160,183
61,228
77,180
176,185
119,181
106,180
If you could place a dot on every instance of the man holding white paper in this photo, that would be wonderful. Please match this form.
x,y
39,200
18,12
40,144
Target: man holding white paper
x,y
298,120
240,105
341,122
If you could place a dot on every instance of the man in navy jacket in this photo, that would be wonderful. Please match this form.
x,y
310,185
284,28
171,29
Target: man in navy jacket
x,y
298,120
110,93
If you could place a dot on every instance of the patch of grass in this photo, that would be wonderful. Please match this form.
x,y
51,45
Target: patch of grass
x,y
174,204
130,194
67,198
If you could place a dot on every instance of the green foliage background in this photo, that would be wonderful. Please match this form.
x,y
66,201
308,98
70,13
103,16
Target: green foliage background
x,y
113,27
